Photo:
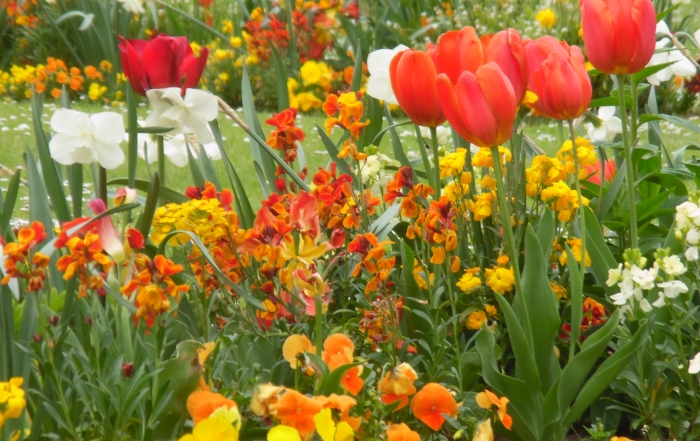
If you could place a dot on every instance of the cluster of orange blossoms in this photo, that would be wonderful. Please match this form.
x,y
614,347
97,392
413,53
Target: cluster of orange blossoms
x,y
345,111
21,263
21,13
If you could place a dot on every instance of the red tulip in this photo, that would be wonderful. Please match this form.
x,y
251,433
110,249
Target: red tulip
x,y
481,107
412,76
161,62
557,75
595,172
459,51
205,3
620,35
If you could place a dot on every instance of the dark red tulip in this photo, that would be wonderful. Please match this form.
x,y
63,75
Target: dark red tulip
x,y
161,62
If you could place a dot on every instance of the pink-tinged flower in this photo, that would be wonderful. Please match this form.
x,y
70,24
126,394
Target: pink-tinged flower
x,y
124,196
108,234
304,214
594,172
135,239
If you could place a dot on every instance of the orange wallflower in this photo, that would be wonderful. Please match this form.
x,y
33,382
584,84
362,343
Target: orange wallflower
x,y
337,351
18,265
401,432
201,404
397,385
56,93
489,400
431,403
297,411
92,73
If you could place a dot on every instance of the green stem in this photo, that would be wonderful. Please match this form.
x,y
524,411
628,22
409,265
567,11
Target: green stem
x,y
577,183
629,165
510,240
319,325
161,159
132,127
634,114
103,184
436,160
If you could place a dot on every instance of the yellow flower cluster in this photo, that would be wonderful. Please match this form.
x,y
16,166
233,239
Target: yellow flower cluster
x,y
565,200
543,172
12,400
205,218
585,152
477,318
575,245
452,164
483,157
468,282
500,279
303,101
546,18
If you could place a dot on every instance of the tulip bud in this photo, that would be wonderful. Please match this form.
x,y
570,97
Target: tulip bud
x,y
413,75
127,369
481,107
506,49
620,35
124,196
557,75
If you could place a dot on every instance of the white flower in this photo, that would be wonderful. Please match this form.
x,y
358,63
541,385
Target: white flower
x,y
644,305
681,67
673,266
444,134
379,84
610,126
614,275
133,6
694,365
693,237
188,115
683,215
691,254
673,288
83,139
644,278
370,167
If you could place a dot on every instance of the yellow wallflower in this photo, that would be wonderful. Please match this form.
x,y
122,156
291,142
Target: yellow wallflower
x,y
559,290
500,279
468,282
106,66
227,26
283,433
215,427
483,157
543,172
546,18
96,91
307,101
482,207
575,245
224,77
490,310
236,42
475,320
195,48
220,54
257,14
488,183
12,400
565,199
585,152
315,72
203,217
328,430
452,164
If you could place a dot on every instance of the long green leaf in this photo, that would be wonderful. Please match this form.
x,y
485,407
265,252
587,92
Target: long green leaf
x,y
150,206
9,203
601,257
197,177
576,287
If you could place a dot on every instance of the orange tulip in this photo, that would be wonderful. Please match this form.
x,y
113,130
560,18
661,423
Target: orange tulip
x,y
557,75
297,411
459,51
481,107
431,403
620,35
201,404
401,432
412,76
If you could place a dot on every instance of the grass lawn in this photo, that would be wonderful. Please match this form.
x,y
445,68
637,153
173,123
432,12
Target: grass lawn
x,y
16,133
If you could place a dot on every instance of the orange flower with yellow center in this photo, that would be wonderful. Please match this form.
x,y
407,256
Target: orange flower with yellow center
x,y
489,400
431,402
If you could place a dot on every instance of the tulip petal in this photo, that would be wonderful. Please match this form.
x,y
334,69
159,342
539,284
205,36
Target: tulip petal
x,y
451,110
476,110
131,51
159,64
506,49
597,25
192,68
108,234
501,99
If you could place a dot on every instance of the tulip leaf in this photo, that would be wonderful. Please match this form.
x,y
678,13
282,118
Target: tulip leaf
x,y
357,70
194,20
9,203
373,116
150,206
606,374
280,81
395,141
609,198
676,120
601,257
661,15
576,288
649,70
208,168
197,177
333,152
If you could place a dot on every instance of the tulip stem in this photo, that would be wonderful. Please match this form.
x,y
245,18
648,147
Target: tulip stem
x,y
102,178
436,160
510,239
629,165
161,159
577,182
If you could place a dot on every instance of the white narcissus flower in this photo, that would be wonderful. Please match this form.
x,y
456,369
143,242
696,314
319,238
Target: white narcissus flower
x,y
188,115
444,134
694,365
83,139
370,167
609,127
133,6
673,266
379,83
681,67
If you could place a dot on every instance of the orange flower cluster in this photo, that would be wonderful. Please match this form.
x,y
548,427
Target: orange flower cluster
x,y
84,254
338,351
153,286
19,265
397,385
285,135
594,314
436,226
22,13
345,111
372,259
403,180
262,40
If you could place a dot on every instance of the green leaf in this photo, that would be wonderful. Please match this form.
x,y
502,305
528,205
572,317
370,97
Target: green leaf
x,y
676,120
201,24
546,230
54,186
75,184
149,209
153,130
601,257
609,198
333,152
524,355
647,208
197,177
7,331
606,374
164,193
395,141
357,70
650,70
331,383
132,129
280,81
318,364
208,168
373,115
263,161
9,203
38,200
576,285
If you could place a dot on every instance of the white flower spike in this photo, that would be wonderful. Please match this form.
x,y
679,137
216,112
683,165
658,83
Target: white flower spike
x,y
83,139
379,84
188,115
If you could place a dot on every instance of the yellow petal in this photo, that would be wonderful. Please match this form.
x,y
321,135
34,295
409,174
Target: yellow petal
x,y
204,353
343,432
325,425
283,433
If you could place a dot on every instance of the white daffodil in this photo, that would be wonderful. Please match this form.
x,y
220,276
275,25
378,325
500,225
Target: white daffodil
x,y
681,67
694,365
133,6
609,127
178,153
673,266
444,134
379,84
188,115
83,139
